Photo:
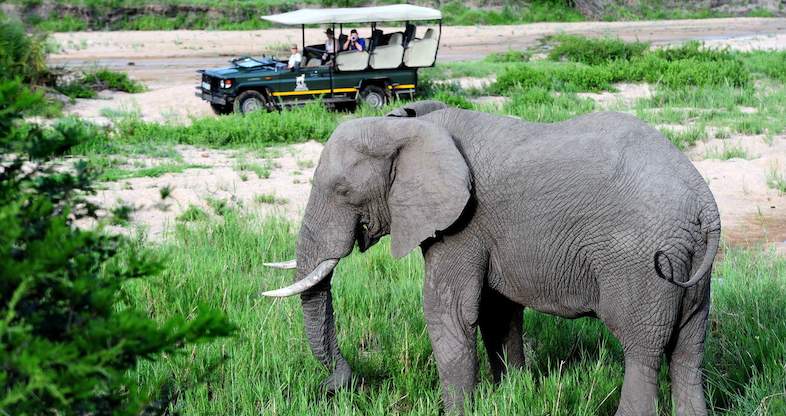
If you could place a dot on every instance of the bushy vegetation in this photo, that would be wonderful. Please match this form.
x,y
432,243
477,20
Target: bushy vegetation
x,y
87,84
594,51
23,57
602,62
574,366
70,337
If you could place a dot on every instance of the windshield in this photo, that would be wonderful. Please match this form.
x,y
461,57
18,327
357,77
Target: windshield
x,y
247,62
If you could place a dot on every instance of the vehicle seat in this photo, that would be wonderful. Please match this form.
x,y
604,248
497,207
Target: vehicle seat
x,y
341,39
421,52
409,33
352,60
388,56
314,61
376,39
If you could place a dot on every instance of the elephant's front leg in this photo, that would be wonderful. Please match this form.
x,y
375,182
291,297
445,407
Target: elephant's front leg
x,y
451,301
501,325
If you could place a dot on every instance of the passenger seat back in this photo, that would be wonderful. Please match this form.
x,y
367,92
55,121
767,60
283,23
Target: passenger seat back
x,y
388,56
422,52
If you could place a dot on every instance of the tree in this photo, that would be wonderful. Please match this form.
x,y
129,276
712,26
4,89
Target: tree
x,y
69,337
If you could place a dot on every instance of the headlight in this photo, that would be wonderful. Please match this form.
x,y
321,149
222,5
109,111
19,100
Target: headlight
x,y
226,83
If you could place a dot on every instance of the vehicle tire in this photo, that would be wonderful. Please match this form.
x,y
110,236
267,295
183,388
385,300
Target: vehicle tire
x,y
374,96
220,109
249,101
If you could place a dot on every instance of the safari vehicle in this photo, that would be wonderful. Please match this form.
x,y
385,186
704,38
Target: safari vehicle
x,y
387,68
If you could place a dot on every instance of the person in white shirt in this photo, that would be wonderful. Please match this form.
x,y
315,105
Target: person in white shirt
x,y
295,58
330,46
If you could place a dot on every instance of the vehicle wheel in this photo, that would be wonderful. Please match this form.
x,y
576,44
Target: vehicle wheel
x,y
374,96
221,110
249,101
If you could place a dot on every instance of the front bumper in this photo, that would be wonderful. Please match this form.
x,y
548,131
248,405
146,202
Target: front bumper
x,y
210,97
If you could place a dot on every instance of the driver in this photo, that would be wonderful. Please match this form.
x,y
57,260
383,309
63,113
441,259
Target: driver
x,y
295,58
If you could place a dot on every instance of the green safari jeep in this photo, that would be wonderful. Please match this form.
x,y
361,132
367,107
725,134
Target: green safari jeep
x,y
386,68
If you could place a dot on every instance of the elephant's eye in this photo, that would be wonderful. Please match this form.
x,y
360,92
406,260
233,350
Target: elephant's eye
x,y
342,191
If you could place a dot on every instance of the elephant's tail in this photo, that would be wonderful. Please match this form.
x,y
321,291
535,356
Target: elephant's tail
x,y
712,241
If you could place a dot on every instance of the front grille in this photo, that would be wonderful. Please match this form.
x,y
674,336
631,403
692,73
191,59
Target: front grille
x,y
213,81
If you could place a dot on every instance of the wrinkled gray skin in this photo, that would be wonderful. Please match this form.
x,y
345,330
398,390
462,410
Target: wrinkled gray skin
x,y
564,218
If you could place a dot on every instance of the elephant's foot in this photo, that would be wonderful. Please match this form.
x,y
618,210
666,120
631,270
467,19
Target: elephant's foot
x,y
340,379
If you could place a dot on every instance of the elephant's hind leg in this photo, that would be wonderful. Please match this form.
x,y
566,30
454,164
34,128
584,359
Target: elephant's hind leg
x,y
642,317
451,300
501,325
687,390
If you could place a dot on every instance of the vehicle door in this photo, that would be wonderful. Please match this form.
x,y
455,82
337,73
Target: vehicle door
x,y
304,82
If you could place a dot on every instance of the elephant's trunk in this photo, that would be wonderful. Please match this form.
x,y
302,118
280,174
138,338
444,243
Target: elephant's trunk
x,y
326,235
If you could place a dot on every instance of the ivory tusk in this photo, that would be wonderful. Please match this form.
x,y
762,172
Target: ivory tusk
x,y
316,276
285,265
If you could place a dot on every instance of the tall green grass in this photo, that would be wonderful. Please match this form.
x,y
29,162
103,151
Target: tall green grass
x,y
574,366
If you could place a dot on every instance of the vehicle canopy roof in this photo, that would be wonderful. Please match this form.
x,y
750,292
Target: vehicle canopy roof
x,y
392,13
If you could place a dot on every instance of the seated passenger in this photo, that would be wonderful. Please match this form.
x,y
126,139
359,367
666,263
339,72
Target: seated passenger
x,y
330,46
295,58
354,42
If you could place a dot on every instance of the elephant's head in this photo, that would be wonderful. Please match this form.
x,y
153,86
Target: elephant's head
x,y
395,175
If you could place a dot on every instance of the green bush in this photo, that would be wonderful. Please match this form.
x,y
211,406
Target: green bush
x,y
541,105
104,79
260,128
594,51
21,55
508,56
569,78
70,336
88,83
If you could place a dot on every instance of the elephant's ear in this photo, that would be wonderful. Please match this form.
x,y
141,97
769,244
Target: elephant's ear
x,y
430,184
417,109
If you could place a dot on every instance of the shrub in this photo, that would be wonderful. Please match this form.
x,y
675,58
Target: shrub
x,y
86,84
104,79
508,56
70,336
570,78
21,55
541,105
259,128
594,51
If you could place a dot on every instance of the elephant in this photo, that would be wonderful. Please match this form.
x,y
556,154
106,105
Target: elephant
x,y
597,216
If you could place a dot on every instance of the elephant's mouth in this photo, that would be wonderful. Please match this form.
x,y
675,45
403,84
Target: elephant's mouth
x,y
367,233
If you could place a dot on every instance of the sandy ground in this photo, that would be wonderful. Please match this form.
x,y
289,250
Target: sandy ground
x,y
751,212
220,180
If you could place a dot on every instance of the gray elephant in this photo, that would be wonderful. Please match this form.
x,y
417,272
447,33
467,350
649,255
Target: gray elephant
x,y
596,216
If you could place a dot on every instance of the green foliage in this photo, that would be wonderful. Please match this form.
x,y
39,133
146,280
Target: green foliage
x,y
602,62
192,213
259,128
111,80
541,105
776,180
457,13
507,56
88,83
22,56
70,336
594,51
562,77
685,138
